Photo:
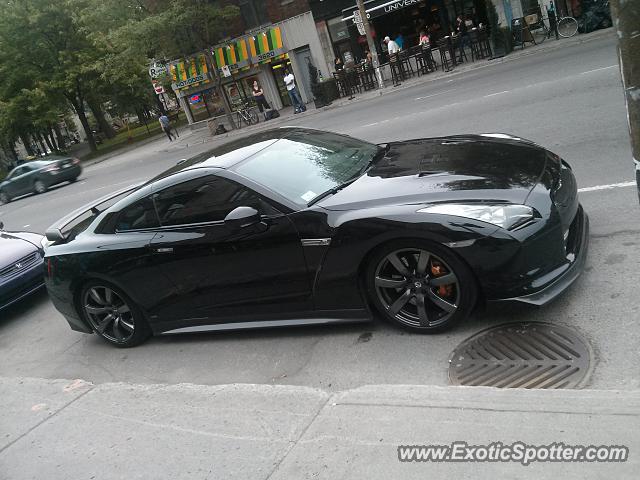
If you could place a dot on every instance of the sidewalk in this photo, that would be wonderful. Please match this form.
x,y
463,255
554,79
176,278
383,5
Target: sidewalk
x,y
201,135
60,429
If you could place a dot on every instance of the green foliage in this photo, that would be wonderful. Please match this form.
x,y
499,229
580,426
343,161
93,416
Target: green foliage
x,y
55,55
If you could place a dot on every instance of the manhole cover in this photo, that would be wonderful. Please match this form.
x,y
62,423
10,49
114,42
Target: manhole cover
x,y
524,355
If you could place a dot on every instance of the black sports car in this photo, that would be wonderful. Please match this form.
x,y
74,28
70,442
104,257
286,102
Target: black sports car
x,y
21,265
296,226
38,176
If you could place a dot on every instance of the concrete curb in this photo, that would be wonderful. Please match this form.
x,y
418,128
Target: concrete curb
x,y
73,429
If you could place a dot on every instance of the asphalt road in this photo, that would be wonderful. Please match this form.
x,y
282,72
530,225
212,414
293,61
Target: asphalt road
x,y
569,100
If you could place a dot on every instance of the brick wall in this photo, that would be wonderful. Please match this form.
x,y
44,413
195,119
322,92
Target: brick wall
x,y
279,10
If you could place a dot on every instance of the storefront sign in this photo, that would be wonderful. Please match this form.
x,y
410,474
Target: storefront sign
x,y
376,8
266,45
189,72
357,19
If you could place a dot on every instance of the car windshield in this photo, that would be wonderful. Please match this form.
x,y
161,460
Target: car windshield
x,y
304,165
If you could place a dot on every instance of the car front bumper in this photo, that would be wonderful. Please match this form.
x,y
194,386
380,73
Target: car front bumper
x,y
558,280
22,285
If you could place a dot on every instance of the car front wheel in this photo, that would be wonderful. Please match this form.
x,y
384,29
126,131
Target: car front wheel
x,y
39,186
113,316
420,286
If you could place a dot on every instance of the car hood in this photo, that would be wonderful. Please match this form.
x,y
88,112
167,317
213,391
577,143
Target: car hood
x,y
13,248
446,169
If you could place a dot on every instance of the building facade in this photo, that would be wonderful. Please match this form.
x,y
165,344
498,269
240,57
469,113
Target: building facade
x,y
340,37
266,39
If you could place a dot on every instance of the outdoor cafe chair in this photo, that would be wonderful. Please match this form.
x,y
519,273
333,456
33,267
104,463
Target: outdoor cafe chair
x,y
484,44
447,58
397,74
425,63
474,43
406,63
367,76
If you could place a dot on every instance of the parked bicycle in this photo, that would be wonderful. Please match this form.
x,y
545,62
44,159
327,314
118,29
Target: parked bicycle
x,y
246,114
540,27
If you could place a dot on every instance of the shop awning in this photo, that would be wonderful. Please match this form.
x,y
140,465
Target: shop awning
x,y
377,8
266,45
189,72
234,55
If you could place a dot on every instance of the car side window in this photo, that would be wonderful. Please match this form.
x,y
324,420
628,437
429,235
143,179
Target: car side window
x,y
17,172
205,199
137,216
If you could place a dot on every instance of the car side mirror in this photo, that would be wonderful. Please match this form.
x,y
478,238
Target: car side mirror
x,y
242,217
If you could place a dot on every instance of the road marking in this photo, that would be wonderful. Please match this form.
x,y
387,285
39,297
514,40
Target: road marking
x,y
598,69
497,93
370,124
436,94
27,225
607,187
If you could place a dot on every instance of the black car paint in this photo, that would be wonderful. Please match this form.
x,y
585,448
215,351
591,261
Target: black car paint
x,y
18,282
17,185
175,288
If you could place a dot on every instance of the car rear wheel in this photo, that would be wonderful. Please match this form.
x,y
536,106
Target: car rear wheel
x,y
39,186
4,198
113,316
420,286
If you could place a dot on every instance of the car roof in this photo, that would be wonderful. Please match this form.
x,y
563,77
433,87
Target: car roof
x,y
229,154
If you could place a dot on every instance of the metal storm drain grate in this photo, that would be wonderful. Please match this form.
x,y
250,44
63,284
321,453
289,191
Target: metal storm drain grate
x,y
523,355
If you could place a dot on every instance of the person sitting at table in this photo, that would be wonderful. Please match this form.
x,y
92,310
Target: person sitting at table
x,y
424,39
338,64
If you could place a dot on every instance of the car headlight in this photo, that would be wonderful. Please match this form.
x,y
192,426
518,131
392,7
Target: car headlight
x,y
505,216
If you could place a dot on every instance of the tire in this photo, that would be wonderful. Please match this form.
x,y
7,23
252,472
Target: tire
x,y
567,27
113,316
39,186
403,274
253,116
4,198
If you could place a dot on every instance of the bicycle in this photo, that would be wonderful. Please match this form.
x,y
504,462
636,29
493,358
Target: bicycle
x,y
246,114
537,24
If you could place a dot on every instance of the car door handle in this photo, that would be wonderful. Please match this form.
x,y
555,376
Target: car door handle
x,y
163,250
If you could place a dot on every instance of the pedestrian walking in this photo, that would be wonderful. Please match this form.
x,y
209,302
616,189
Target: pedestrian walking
x,y
165,124
260,99
296,101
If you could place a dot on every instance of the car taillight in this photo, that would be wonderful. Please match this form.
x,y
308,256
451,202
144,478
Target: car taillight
x,y
51,168
75,161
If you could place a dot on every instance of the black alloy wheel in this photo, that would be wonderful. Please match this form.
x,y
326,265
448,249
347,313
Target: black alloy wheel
x,y
421,287
4,198
113,316
39,186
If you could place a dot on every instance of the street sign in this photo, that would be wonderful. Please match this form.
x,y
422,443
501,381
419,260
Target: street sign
x,y
357,19
157,69
157,86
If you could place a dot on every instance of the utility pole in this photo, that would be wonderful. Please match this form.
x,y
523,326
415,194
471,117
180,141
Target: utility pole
x,y
626,18
371,43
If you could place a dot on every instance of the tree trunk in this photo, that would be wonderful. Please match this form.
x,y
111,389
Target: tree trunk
x,y
24,138
77,106
51,146
38,136
104,126
626,17
59,139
